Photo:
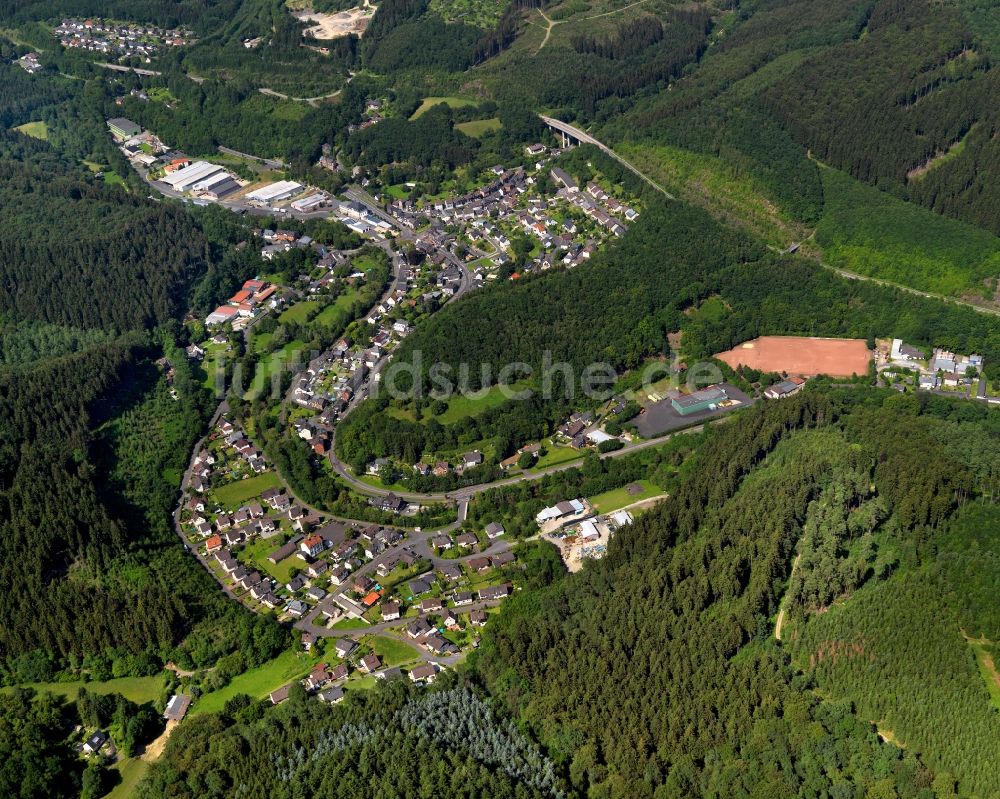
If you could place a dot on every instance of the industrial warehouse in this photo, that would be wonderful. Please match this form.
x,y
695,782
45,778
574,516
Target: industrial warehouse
x,y
683,409
267,195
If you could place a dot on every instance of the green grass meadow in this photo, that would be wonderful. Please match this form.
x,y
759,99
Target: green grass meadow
x,y
451,102
235,494
258,682
136,689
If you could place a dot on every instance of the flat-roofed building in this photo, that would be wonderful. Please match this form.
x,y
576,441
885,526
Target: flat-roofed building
x,y
216,186
701,400
122,128
274,192
184,179
310,203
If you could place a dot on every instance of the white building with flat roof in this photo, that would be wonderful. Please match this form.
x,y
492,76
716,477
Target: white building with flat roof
x,y
274,192
310,203
184,179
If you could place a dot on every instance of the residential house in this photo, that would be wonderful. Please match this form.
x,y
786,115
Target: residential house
x,y
317,569
312,545
430,605
480,565
418,628
96,742
297,608
424,673
270,600
785,388
260,591
317,677
467,540
340,575
332,695
495,592
438,645
344,647
280,695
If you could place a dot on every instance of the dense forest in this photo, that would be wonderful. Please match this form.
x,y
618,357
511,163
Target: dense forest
x,y
448,742
671,637
94,279
787,80
679,610
866,519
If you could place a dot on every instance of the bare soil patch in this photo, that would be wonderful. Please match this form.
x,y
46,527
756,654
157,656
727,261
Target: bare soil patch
x,y
794,355
334,26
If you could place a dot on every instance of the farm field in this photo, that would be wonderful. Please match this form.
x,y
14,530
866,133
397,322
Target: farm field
x,y
393,651
987,663
711,310
258,682
131,771
555,456
235,494
332,312
273,363
483,13
461,406
211,362
350,624
708,182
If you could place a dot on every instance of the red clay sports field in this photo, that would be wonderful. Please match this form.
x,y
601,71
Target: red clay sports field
x,y
797,355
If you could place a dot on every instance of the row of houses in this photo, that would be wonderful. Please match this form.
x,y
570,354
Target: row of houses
x,y
941,369
327,683
120,39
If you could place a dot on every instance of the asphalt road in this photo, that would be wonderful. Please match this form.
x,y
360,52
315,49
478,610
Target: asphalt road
x,y
465,494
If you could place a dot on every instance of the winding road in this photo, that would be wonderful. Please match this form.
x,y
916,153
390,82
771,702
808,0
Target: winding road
x,y
468,492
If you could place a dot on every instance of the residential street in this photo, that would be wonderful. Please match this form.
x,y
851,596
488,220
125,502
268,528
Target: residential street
x,y
460,494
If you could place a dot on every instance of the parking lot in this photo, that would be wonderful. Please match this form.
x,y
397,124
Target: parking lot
x,y
661,417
